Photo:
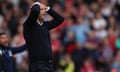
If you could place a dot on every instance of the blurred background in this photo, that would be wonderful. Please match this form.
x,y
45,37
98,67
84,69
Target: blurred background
x,y
87,41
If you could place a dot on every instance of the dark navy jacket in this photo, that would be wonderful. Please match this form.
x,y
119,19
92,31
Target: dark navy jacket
x,y
7,55
37,36
1,63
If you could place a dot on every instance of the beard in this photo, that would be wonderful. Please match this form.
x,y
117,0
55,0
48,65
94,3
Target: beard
x,y
5,44
40,18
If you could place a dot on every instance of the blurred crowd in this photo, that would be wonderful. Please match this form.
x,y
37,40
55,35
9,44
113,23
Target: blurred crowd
x,y
87,41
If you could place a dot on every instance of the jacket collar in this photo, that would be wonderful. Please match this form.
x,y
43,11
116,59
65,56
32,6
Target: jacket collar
x,y
40,23
2,47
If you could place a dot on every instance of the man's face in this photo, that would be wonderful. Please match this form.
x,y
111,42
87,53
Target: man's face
x,y
42,12
4,40
44,4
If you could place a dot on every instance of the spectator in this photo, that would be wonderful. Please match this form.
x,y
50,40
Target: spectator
x,y
67,64
88,65
70,42
115,67
117,43
112,39
78,56
107,51
81,30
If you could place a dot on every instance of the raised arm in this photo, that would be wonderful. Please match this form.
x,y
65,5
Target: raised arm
x,y
18,49
57,19
34,13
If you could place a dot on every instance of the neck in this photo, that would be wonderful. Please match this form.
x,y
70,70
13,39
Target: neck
x,y
40,22
41,18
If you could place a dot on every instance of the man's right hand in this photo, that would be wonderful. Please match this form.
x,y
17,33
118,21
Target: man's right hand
x,y
38,3
42,6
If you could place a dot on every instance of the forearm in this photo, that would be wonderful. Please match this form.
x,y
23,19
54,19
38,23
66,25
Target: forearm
x,y
57,19
55,15
34,13
18,49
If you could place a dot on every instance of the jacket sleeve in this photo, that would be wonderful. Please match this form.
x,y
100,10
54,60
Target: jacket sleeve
x,y
18,49
34,13
57,19
1,63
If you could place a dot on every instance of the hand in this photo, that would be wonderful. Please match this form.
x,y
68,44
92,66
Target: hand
x,y
42,6
38,3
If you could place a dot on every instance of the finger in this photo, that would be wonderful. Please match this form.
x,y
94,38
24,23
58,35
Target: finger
x,y
36,3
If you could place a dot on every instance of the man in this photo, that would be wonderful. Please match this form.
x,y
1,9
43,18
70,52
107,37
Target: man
x,y
36,33
7,52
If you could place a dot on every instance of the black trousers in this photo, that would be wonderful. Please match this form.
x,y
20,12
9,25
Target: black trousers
x,y
41,66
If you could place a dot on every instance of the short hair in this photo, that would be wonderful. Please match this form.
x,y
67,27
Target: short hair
x,y
35,0
3,33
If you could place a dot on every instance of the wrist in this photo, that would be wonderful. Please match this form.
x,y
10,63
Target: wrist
x,y
48,8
